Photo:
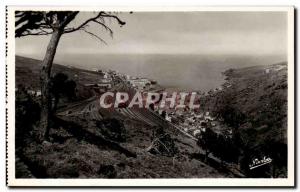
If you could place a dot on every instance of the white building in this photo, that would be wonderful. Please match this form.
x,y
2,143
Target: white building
x,y
34,93
140,83
267,71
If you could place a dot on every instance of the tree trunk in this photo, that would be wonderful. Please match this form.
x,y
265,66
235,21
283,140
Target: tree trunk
x,y
222,162
274,170
206,156
45,82
56,100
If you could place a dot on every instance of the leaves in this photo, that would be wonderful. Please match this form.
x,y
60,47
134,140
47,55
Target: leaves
x,y
45,23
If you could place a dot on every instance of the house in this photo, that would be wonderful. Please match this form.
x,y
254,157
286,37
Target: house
x,y
34,93
168,118
207,117
139,83
203,129
196,132
38,93
106,80
267,71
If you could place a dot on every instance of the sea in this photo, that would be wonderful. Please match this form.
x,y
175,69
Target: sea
x,y
175,71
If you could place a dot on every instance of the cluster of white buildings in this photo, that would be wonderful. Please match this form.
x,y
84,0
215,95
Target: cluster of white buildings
x,y
139,83
193,123
105,83
277,67
35,93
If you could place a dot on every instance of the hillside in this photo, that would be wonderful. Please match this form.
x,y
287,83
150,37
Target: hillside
x,y
86,141
259,93
28,75
28,71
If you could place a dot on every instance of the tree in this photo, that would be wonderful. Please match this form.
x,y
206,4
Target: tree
x,y
70,89
55,23
57,87
223,148
208,142
232,116
61,86
226,149
27,115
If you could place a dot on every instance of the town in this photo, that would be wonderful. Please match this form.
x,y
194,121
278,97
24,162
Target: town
x,y
180,109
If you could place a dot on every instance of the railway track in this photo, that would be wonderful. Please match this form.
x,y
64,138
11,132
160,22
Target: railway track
x,y
90,109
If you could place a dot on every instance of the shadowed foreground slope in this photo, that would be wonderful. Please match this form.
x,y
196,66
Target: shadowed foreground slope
x,y
81,146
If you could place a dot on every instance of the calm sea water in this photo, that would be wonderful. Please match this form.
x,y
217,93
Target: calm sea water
x,y
184,72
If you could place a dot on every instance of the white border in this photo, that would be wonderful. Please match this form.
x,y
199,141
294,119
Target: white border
x,y
213,182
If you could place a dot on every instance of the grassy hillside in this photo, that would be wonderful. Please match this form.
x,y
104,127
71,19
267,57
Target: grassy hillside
x,y
259,93
28,75
28,71
81,146
262,96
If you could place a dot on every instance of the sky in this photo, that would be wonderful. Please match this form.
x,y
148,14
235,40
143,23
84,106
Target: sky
x,y
235,33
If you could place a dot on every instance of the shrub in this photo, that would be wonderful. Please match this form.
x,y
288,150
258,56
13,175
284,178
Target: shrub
x,y
27,114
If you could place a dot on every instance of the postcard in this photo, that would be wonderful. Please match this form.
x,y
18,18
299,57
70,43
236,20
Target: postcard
x,y
151,97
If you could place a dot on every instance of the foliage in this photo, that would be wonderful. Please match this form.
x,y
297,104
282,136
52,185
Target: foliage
x,y
112,129
278,152
55,23
162,143
27,114
226,149
208,141
231,115
61,86
30,23
70,89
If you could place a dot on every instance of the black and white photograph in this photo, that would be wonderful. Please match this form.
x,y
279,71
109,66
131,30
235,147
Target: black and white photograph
x,y
150,97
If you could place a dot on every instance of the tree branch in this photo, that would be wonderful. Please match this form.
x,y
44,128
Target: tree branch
x,y
113,16
47,21
44,23
96,36
69,19
105,27
83,24
38,33
100,16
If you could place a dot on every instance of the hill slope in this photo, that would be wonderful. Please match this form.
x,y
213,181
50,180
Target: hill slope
x,y
28,75
259,93
81,147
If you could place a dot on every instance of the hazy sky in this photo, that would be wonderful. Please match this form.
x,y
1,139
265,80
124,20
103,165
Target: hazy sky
x,y
253,33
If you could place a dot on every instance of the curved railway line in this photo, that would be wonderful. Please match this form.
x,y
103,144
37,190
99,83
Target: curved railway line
x,y
90,109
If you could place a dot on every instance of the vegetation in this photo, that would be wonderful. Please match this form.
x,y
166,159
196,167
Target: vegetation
x,y
221,146
162,143
254,106
54,23
61,86
112,129
117,146
208,142
27,115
